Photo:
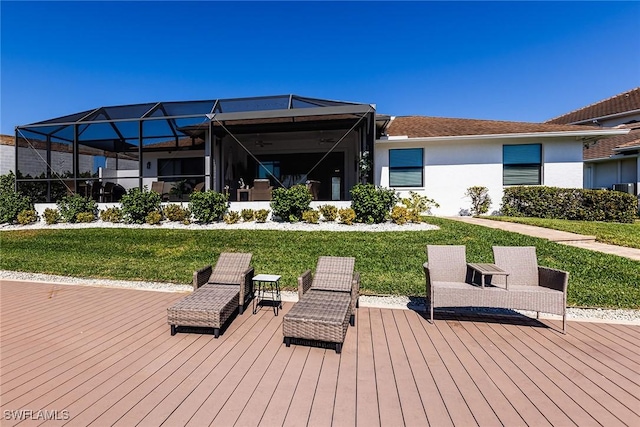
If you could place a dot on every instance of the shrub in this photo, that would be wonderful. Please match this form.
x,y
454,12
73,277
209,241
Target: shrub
x,y
401,215
11,201
154,218
247,215
111,215
208,206
329,212
232,217
569,203
85,217
480,200
372,204
176,213
51,216
27,216
72,205
138,204
417,205
311,216
347,216
289,204
261,215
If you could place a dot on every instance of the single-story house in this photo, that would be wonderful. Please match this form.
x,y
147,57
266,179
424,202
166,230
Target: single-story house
x,y
611,162
220,144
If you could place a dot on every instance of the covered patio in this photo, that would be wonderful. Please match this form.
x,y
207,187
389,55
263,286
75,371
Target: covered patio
x,y
106,357
217,144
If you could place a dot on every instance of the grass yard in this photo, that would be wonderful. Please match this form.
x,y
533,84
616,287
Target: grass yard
x,y
606,232
390,263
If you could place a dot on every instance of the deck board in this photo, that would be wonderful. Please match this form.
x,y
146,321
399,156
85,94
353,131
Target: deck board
x,y
106,356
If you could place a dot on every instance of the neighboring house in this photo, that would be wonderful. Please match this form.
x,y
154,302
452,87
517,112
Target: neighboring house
x,y
291,139
442,157
613,161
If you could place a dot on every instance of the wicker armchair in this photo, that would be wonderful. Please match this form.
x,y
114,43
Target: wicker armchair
x,y
218,293
261,190
327,303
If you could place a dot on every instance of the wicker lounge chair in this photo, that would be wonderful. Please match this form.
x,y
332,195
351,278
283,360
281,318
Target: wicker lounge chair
x,y
218,293
448,280
326,305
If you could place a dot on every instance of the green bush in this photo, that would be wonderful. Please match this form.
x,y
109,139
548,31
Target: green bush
x,y
401,215
232,217
11,202
154,218
138,204
85,217
372,204
480,200
569,203
113,214
417,205
347,216
72,205
247,215
329,212
261,215
311,216
176,213
27,216
51,216
208,206
289,204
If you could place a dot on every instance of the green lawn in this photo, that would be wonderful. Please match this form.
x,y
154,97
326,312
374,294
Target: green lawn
x,y
606,232
390,263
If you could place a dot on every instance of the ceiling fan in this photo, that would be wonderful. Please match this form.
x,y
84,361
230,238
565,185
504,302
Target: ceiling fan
x,y
261,144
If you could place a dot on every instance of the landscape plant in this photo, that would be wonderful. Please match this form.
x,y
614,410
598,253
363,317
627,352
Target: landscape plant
x,y
346,216
73,204
289,203
480,200
329,212
232,217
208,206
154,218
247,215
51,216
372,204
262,215
138,204
400,215
311,216
176,213
113,214
85,217
11,201
417,205
27,216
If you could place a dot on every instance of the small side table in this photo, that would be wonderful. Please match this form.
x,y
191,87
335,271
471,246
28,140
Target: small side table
x,y
487,269
260,283
246,192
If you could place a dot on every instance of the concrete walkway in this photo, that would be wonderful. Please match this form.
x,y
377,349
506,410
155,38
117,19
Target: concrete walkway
x,y
563,237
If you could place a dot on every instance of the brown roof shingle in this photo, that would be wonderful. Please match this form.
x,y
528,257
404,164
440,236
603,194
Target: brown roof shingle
x,y
423,127
621,103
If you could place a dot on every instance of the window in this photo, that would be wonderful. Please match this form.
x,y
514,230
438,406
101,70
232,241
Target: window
x,y
522,164
181,166
406,168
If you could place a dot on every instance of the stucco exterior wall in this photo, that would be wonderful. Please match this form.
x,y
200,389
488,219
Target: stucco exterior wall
x,y
450,167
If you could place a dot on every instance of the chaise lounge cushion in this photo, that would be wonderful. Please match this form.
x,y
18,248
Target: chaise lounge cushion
x,y
319,315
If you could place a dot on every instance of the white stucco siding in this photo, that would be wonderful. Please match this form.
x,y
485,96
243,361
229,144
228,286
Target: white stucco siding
x,y
562,164
451,167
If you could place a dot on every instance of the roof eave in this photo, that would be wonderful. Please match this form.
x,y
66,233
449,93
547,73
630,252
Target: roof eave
x,y
579,135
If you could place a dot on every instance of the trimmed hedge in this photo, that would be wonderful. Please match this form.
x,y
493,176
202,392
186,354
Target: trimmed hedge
x,y
569,203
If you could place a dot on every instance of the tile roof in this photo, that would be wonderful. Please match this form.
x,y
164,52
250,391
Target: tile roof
x,y
605,148
626,101
420,126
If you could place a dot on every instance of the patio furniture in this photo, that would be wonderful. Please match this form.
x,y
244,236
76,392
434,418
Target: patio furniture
x,y
314,188
218,293
261,190
326,305
449,282
160,188
260,283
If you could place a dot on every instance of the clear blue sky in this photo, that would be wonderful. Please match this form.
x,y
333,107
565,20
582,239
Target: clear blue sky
x,y
519,61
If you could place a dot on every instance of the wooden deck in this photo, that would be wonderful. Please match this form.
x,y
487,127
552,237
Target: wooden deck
x,y
104,357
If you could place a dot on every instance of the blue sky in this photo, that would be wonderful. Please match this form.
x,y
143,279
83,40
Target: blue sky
x,y
519,61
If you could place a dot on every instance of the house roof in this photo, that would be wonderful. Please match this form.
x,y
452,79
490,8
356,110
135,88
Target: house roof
x,y
618,104
425,127
607,147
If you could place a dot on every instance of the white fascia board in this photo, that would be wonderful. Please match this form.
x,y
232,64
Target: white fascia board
x,y
578,135
632,148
